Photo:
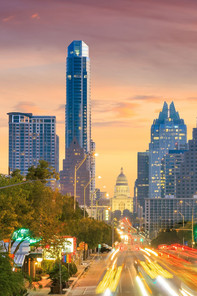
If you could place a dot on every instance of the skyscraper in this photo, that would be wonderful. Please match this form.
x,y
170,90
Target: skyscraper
x,y
170,168
142,182
167,133
78,111
78,97
74,155
187,179
32,138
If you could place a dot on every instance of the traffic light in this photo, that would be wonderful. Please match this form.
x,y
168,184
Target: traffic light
x,y
141,239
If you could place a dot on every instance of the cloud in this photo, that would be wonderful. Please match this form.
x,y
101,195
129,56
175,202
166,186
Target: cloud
x,y
27,107
110,123
125,109
35,16
61,107
151,98
7,19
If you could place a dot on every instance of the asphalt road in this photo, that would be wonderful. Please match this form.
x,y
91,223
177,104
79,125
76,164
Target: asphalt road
x,y
117,275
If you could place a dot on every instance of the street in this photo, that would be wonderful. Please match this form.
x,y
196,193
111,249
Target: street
x,y
137,273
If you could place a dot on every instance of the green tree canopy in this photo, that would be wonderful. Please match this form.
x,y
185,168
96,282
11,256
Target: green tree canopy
x,y
11,282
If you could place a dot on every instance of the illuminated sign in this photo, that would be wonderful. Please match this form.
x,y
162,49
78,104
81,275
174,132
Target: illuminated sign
x,y
24,234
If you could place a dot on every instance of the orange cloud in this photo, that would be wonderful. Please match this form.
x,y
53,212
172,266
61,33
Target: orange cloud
x,y
35,16
125,109
27,107
7,19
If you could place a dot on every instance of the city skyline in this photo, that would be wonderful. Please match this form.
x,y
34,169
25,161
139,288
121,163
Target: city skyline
x,y
137,62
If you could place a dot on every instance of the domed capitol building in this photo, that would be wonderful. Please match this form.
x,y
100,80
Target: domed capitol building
x,y
122,199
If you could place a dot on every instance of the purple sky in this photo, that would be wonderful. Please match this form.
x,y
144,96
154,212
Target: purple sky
x,y
142,52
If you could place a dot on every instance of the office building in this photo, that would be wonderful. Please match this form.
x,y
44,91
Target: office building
x,y
74,156
142,182
166,213
78,97
187,179
168,132
170,169
78,108
32,138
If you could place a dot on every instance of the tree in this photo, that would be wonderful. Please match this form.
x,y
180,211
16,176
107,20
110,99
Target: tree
x,y
11,282
16,174
166,237
42,172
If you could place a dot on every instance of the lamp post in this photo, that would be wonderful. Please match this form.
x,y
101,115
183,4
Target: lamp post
x,y
77,167
183,222
84,196
192,207
84,193
95,191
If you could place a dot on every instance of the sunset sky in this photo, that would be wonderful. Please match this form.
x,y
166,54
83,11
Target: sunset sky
x,y
142,53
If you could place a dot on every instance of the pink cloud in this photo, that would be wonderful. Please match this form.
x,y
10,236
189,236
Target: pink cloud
x,y
7,19
35,16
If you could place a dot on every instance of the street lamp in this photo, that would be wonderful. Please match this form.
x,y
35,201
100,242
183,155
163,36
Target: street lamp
x,y
192,207
77,167
183,221
84,193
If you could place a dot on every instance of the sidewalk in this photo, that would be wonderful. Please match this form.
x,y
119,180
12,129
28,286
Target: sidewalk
x,y
46,282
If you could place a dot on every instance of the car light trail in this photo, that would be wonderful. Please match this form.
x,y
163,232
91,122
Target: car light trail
x,y
185,293
151,251
141,286
114,254
166,286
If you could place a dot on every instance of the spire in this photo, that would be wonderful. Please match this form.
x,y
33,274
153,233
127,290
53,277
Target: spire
x,y
164,113
173,113
121,170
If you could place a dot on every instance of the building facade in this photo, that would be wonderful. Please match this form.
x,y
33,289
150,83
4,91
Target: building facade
x,y
164,213
186,182
78,96
32,138
142,182
78,111
170,169
168,132
74,155
122,199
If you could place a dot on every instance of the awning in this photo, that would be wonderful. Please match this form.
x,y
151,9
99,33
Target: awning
x,y
19,259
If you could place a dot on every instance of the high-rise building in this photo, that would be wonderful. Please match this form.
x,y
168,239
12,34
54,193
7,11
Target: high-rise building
x,y
187,179
168,132
164,213
170,168
78,107
142,182
78,97
74,155
32,138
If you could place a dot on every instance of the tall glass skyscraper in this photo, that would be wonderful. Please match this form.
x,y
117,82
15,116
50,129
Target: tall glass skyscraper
x,y
32,138
78,118
168,132
78,100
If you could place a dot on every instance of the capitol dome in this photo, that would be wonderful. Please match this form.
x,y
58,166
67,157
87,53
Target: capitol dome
x,y
121,180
